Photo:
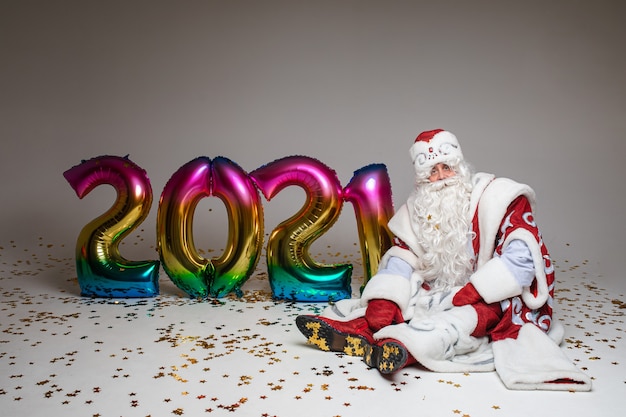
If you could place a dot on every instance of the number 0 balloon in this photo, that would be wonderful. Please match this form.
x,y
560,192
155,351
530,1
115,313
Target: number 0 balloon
x,y
200,178
245,225
181,261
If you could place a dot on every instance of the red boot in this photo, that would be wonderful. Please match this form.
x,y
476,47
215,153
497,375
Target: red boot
x,y
388,356
350,337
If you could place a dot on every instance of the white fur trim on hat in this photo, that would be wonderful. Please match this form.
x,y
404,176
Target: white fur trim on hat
x,y
433,147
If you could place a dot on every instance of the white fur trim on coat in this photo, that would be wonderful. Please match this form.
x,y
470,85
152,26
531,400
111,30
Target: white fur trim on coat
x,y
396,251
492,207
534,362
390,287
400,226
494,282
443,341
543,292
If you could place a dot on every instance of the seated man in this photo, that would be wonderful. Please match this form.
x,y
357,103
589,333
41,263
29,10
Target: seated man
x,y
469,285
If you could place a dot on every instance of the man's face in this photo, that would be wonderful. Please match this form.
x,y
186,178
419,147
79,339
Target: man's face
x,y
440,172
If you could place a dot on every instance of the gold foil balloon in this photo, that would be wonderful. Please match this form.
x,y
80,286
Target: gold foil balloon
x,y
102,271
292,272
369,191
179,257
245,227
197,276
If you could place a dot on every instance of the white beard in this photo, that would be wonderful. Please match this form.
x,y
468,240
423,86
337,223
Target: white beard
x,y
439,218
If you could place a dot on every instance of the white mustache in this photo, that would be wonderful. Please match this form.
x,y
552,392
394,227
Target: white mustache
x,y
441,184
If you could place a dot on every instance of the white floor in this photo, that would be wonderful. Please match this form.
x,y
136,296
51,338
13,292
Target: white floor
x,y
61,354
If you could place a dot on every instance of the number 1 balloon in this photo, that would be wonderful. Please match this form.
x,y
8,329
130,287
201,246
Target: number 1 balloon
x,y
369,191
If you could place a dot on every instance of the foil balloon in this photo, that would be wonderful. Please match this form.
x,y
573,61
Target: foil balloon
x,y
293,274
197,276
102,271
179,257
245,227
369,191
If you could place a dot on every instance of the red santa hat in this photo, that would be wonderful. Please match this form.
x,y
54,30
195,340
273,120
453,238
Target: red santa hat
x,y
433,147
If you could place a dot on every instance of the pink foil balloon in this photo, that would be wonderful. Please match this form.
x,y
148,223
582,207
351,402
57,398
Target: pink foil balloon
x,y
102,271
179,257
292,272
200,178
245,225
369,191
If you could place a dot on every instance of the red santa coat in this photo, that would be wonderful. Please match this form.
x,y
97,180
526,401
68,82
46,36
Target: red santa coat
x,y
508,330
517,305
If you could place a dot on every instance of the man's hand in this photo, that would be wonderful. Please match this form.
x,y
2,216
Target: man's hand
x,y
381,313
466,295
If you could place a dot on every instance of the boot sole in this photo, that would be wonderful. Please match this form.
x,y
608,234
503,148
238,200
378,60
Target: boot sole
x,y
325,337
388,357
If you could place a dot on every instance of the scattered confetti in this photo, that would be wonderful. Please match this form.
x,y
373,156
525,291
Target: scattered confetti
x,y
65,354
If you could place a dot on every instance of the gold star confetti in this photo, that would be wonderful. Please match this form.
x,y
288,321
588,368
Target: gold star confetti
x,y
237,354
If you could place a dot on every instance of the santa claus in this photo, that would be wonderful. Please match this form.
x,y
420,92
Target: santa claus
x,y
469,285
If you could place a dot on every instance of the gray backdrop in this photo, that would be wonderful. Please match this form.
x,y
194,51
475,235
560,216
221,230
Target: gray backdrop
x,y
534,90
